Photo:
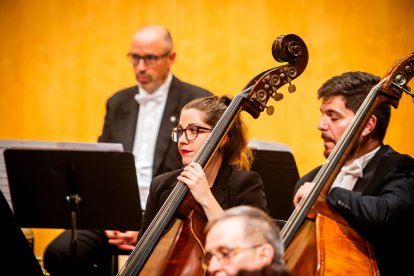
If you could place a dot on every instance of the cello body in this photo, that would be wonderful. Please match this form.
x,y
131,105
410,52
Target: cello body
x,y
318,240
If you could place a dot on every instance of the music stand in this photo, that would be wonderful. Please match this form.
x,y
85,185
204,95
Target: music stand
x,y
73,189
16,255
276,165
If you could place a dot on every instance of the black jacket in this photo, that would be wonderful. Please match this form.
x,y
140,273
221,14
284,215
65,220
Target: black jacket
x,y
381,208
232,187
121,122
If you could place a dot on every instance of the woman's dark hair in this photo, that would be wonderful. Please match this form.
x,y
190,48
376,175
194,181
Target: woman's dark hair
x,y
235,150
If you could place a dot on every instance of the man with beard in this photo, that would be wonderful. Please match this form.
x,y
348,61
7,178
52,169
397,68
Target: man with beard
x,y
374,191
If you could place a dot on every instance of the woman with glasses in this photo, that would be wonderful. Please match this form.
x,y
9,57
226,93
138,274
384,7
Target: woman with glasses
x,y
227,181
243,240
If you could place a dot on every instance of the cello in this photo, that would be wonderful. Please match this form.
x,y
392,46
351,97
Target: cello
x,y
184,249
318,240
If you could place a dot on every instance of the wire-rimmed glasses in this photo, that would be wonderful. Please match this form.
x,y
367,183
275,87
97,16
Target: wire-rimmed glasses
x,y
224,254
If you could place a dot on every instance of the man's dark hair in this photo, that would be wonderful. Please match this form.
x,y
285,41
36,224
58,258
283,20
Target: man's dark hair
x,y
354,87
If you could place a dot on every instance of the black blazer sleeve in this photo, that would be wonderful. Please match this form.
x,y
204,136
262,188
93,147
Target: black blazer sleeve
x,y
234,187
383,206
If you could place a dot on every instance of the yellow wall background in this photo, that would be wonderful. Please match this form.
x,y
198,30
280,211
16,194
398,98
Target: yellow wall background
x,y
61,60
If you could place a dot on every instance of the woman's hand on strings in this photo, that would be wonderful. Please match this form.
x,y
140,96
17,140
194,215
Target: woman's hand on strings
x,y
123,240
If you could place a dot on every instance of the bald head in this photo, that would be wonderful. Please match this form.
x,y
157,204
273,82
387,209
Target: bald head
x,y
154,34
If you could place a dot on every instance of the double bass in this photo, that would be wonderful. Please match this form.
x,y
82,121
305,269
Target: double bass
x,y
318,240
184,249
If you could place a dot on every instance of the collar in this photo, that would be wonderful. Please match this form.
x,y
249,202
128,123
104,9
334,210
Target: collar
x,y
158,95
357,166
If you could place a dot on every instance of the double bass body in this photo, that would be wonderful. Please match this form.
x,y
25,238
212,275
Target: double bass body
x,y
180,249
317,239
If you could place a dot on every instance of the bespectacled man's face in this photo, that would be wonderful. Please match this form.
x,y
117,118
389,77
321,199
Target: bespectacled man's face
x,y
229,251
151,74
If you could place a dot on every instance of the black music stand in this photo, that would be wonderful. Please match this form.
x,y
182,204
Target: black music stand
x,y
73,190
277,168
17,256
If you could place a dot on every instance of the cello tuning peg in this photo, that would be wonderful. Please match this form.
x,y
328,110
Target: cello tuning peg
x,y
277,96
291,88
270,109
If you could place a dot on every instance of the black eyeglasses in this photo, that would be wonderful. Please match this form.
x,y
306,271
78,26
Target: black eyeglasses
x,y
224,255
191,132
149,60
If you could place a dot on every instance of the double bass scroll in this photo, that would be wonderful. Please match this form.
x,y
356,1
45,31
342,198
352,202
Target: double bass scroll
x,y
253,99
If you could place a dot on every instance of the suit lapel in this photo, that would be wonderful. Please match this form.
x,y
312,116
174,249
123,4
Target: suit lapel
x,y
131,117
169,120
221,184
363,184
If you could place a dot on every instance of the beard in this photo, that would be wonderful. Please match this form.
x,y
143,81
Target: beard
x,y
329,143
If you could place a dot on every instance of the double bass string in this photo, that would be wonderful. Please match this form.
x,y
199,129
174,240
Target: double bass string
x,y
300,212
286,48
150,237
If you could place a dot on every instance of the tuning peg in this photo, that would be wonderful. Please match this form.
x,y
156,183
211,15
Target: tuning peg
x,y
406,89
408,92
270,109
277,96
291,88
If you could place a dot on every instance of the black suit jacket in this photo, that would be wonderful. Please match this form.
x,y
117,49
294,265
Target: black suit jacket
x,y
381,208
232,187
121,122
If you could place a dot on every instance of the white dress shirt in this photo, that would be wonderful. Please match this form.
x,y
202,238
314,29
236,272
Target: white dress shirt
x,y
151,108
349,174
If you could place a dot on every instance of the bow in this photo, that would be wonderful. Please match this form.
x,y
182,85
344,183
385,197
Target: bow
x,y
142,98
347,176
354,169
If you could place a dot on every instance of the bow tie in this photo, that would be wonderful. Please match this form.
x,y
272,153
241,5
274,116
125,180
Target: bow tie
x,y
144,98
354,169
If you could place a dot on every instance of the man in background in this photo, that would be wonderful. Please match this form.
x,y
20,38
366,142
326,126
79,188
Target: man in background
x,y
243,240
141,118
